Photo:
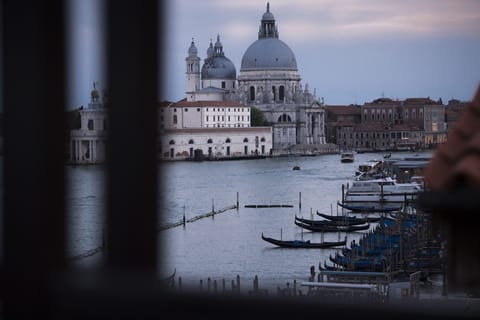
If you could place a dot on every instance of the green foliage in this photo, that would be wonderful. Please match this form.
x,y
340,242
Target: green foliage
x,y
257,118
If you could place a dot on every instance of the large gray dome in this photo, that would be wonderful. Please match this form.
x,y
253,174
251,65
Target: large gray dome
x,y
270,54
218,67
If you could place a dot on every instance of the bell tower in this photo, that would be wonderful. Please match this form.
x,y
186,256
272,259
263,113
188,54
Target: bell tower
x,y
193,72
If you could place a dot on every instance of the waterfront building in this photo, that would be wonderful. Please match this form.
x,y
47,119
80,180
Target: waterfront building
x,y
208,122
453,110
269,80
217,98
341,117
386,124
215,143
87,143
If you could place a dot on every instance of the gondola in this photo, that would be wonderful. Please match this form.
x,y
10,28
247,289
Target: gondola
x,y
332,228
368,208
304,244
348,218
360,264
329,222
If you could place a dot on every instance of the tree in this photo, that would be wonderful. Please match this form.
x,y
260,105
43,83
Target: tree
x,y
257,118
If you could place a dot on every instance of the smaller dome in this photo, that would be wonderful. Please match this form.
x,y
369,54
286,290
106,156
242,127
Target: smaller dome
x,y
192,51
210,50
218,67
268,16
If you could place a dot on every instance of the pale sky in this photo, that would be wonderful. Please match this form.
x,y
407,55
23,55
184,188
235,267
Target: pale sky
x,y
350,51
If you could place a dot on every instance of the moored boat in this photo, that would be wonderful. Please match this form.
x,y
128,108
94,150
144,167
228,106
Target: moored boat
x,y
369,207
304,244
330,222
348,218
332,228
380,194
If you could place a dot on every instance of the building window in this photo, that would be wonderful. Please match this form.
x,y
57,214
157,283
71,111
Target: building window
x,y
175,119
186,109
281,93
284,118
90,124
252,93
198,109
245,140
209,141
223,84
262,139
274,93
191,141
171,142
228,140
233,84
174,109
207,118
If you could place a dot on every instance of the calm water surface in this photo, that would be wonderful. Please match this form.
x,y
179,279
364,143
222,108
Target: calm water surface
x,y
228,244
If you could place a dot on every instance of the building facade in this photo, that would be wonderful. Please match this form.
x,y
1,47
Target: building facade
x,y
269,80
215,143
88,143
208,123
385,124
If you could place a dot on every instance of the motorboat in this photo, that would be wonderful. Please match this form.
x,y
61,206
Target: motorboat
x,y
347,156
380,193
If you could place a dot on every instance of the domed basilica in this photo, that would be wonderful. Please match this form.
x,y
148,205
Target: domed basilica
x,y
268,79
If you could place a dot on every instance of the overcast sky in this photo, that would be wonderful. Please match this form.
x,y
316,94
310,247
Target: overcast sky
x,y
350,51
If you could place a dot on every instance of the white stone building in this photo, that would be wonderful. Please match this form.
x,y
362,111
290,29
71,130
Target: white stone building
x,y
204,114
269,79
215,143
208,123
89,141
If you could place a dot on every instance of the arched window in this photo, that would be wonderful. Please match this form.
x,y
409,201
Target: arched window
x,y
263,139
175,119
274,93
284,118
281,93
252,93
245,140
190,141
209,141
172,142
228,140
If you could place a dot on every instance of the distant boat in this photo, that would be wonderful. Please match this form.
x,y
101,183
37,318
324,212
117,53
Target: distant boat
x,y
296,168
347,156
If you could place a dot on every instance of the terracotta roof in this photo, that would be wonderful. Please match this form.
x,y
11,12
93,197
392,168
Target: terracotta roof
x,y
420,101
163,104
456,163
343,110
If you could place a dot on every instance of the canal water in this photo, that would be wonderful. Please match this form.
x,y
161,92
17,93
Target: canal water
x,y
227,244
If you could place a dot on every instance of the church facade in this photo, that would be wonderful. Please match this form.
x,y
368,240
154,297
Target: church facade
x,y
269,80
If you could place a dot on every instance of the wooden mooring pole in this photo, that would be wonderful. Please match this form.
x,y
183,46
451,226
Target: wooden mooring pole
x,y
300,200
237,201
